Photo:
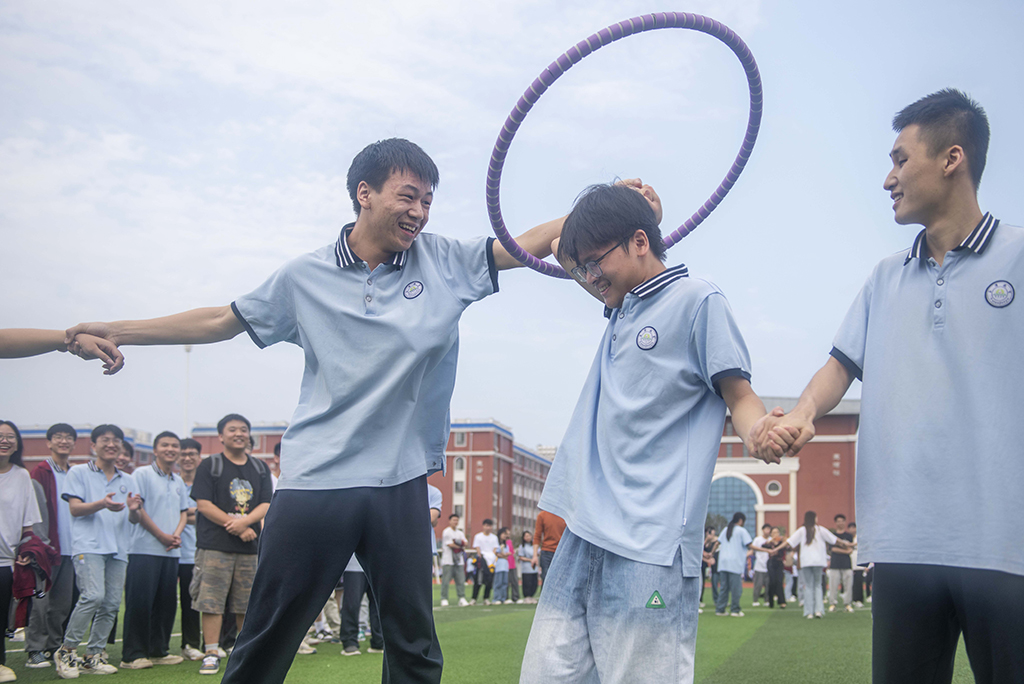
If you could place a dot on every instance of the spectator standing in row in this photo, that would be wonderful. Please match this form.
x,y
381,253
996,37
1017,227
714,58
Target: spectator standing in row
x,y
152,575
840,568
191,634
453,545
46,622
527,567
232,495
19,511
812,538
98,495
761,564
546,534
501,564
484,543
732,554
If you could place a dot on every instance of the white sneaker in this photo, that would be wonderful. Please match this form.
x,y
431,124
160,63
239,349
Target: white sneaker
x,y
809,617
848,609
97,664
739,613
700,611
832,608
487,602
755,603
168,659
305,648
7,674
211,664
190,653
463,602
444,602
221,653
137,664
66,662
508,601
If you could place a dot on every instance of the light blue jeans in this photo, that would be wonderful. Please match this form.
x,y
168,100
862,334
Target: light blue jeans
x,y
814,599
605,618
500,586
731,587
100,581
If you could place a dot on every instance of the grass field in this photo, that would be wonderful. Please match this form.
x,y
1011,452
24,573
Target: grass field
x,y
486,644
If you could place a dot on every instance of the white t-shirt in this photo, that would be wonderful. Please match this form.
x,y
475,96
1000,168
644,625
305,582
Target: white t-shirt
x,y
813,554
447,537
487,543
760,557
18,509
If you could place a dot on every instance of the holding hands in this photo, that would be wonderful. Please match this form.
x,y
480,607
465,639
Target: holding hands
x,y
779,434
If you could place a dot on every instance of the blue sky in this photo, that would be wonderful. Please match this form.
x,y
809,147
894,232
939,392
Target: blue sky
x,y
159,157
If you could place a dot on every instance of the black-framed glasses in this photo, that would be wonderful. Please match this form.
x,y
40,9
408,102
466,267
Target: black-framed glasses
x,y
593,267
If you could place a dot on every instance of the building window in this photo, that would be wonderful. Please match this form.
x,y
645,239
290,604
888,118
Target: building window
x,y
460,464
459,486
773,488
457,510
728,496
460,439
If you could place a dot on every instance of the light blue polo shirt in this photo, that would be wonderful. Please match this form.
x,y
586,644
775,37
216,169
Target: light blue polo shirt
x,y
63,510
732,552
381,349
188,535
164,497
633,472
104,531
938,348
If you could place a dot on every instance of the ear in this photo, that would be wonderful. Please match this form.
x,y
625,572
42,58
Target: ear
x,y
954,159
363,194
640,242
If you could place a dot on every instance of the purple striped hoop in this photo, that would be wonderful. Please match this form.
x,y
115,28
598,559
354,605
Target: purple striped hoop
x,y
629,27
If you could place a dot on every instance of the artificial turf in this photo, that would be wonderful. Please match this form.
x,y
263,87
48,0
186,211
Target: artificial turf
x,y
486,644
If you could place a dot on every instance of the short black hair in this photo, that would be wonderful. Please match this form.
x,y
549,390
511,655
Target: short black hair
x,y
766,525
454,515
950,117
19,446
167,433
487,521
252,441
277,449
838,516
61,428
606,214
104,429
189,443
222,423
376,162
851,524
129,449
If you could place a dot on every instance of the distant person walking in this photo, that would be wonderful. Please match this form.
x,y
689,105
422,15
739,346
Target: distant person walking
x,y
812,538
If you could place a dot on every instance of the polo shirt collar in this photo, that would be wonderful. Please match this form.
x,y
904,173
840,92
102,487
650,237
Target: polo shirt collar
x,y
160,473
346,257
54,467
96,469
977,241
654,285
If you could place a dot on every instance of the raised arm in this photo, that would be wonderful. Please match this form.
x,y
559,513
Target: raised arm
x,y
537,241
198,326
18,343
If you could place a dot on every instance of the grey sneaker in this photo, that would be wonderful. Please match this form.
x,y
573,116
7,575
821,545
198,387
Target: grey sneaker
x,y
37,660
66,663
97,664
211,664
351,651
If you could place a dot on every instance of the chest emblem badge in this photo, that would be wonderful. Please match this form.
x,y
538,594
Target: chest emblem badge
x,y
999,294
413,290
647,338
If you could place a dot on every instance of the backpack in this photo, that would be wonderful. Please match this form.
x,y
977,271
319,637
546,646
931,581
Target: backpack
x,y
217,465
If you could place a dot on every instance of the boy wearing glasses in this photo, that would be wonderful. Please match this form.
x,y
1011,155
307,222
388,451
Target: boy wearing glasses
x,y
633,472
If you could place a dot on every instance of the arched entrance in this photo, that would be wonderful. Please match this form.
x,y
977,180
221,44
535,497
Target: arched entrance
x,y
731,493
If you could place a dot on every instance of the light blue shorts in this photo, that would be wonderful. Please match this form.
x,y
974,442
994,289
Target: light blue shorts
x,y
605,618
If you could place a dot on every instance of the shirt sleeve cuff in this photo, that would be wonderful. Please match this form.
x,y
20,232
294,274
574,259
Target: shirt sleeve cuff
x,y
731,373
248,328
492,267
853,368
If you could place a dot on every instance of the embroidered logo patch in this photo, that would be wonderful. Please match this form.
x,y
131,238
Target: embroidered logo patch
x,y
655,601
123,489
999,294
647,338
413,290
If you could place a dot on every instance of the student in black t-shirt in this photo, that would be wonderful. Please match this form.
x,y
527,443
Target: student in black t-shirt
x,y
232,495
776,569
840,569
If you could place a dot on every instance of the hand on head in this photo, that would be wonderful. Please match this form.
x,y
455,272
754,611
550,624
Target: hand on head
x,y
648,192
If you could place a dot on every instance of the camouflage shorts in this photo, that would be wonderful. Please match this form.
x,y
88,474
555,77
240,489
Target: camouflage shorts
x,y
221,582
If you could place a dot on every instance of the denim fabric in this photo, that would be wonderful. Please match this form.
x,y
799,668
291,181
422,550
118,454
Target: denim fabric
x,y
500,586
605,618
813,596
100,579
731,584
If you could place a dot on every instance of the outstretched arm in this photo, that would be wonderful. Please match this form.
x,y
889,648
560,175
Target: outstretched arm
x,y
18,343
747,409
536,241
198,326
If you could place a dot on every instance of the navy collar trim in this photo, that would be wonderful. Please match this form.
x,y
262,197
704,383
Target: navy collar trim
x,y
346,257
651,287
54,467
156,469
977,241
96,469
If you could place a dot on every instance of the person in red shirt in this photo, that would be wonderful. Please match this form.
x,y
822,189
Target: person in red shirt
x,y
546,535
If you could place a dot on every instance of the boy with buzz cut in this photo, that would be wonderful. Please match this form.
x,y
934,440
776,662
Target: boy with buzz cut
x,y
98,495
150,600
632,475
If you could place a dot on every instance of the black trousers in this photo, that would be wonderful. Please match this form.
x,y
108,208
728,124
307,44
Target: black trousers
x,y
529,584
190,622
858,585
919,611
484,578
351,600
6,591
151,601
307,541
776,586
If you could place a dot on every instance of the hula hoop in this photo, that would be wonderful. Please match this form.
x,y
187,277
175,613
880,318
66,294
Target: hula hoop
x,y
610,34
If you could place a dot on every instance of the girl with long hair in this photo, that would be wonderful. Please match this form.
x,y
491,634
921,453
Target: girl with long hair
x,y
812,538
732,555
